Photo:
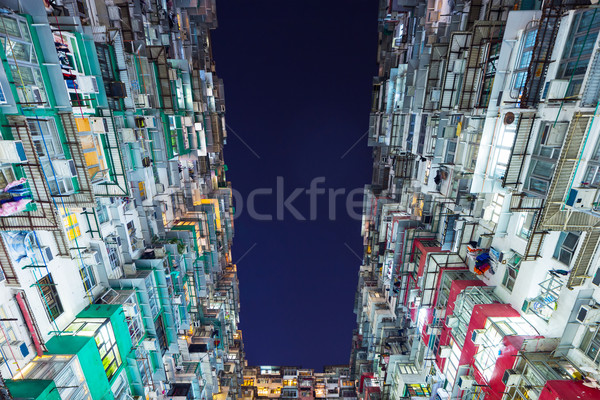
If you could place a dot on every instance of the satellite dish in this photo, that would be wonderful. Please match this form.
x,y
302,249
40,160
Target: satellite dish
x,y
509,118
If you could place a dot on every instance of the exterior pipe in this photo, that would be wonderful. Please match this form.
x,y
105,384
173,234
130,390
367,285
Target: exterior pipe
x,y
27,318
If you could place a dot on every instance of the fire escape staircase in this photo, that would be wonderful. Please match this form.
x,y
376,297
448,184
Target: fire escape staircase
x,y
556,216
512,177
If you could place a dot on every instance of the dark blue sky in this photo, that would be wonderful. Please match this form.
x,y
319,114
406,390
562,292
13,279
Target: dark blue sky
x,y
298,80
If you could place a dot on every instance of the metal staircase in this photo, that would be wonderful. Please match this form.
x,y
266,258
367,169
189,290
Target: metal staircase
x,y
45,215
542,53
591,93
555,215
584,259
512,177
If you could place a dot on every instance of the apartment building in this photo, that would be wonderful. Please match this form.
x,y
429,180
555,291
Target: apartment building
x,y
271,382
116,216
480,273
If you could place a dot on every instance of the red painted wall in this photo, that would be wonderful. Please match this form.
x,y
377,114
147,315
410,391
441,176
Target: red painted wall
x,y
455,288
568,390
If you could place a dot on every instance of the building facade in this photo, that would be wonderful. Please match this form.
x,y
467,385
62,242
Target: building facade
x,y
116,216
480,274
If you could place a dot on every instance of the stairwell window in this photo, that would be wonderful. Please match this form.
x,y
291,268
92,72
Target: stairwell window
x,y
525,223
71,225
50,298
565,247
523,60
578,49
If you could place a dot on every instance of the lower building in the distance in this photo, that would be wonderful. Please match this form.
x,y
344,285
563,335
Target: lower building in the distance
x,y
269,382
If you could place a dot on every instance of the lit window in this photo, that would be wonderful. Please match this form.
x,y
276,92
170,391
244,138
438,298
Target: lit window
x,y
109,352
493,211
71,225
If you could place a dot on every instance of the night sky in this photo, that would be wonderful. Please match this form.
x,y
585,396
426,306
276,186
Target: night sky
x,y
298,78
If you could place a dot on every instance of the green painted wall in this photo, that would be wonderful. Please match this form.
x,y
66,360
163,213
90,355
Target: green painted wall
x,y
37,389
87,351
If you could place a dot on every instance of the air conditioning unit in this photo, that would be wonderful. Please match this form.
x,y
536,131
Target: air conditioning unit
x,y
177,299
445,351
557,89
451,321
433,330
450,131
477,336
16,350
99,125
142,101
92,257
129,135
129,310
33,95
12,152
44,253
582,198
435,95
129,269
65,168
588,314
511,377
150,122
466,382
149,344
87,84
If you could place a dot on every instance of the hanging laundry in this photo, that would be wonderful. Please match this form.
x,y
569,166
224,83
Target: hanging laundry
x,y
15,183
12,207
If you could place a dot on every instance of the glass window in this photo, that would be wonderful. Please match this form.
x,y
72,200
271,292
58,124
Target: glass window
x,y
578,49
109,352
87,275
590,345
71,225
50,297
565,247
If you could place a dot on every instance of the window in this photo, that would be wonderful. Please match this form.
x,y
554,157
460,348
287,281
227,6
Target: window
x,y
9,334
451,366
109,352
502,150
93,152
578,49
511,272
525,224
113,256
493,211
524,59
543,159
7,176
50,297
565,247
590,345
26,74
71,225
45,139
87,275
